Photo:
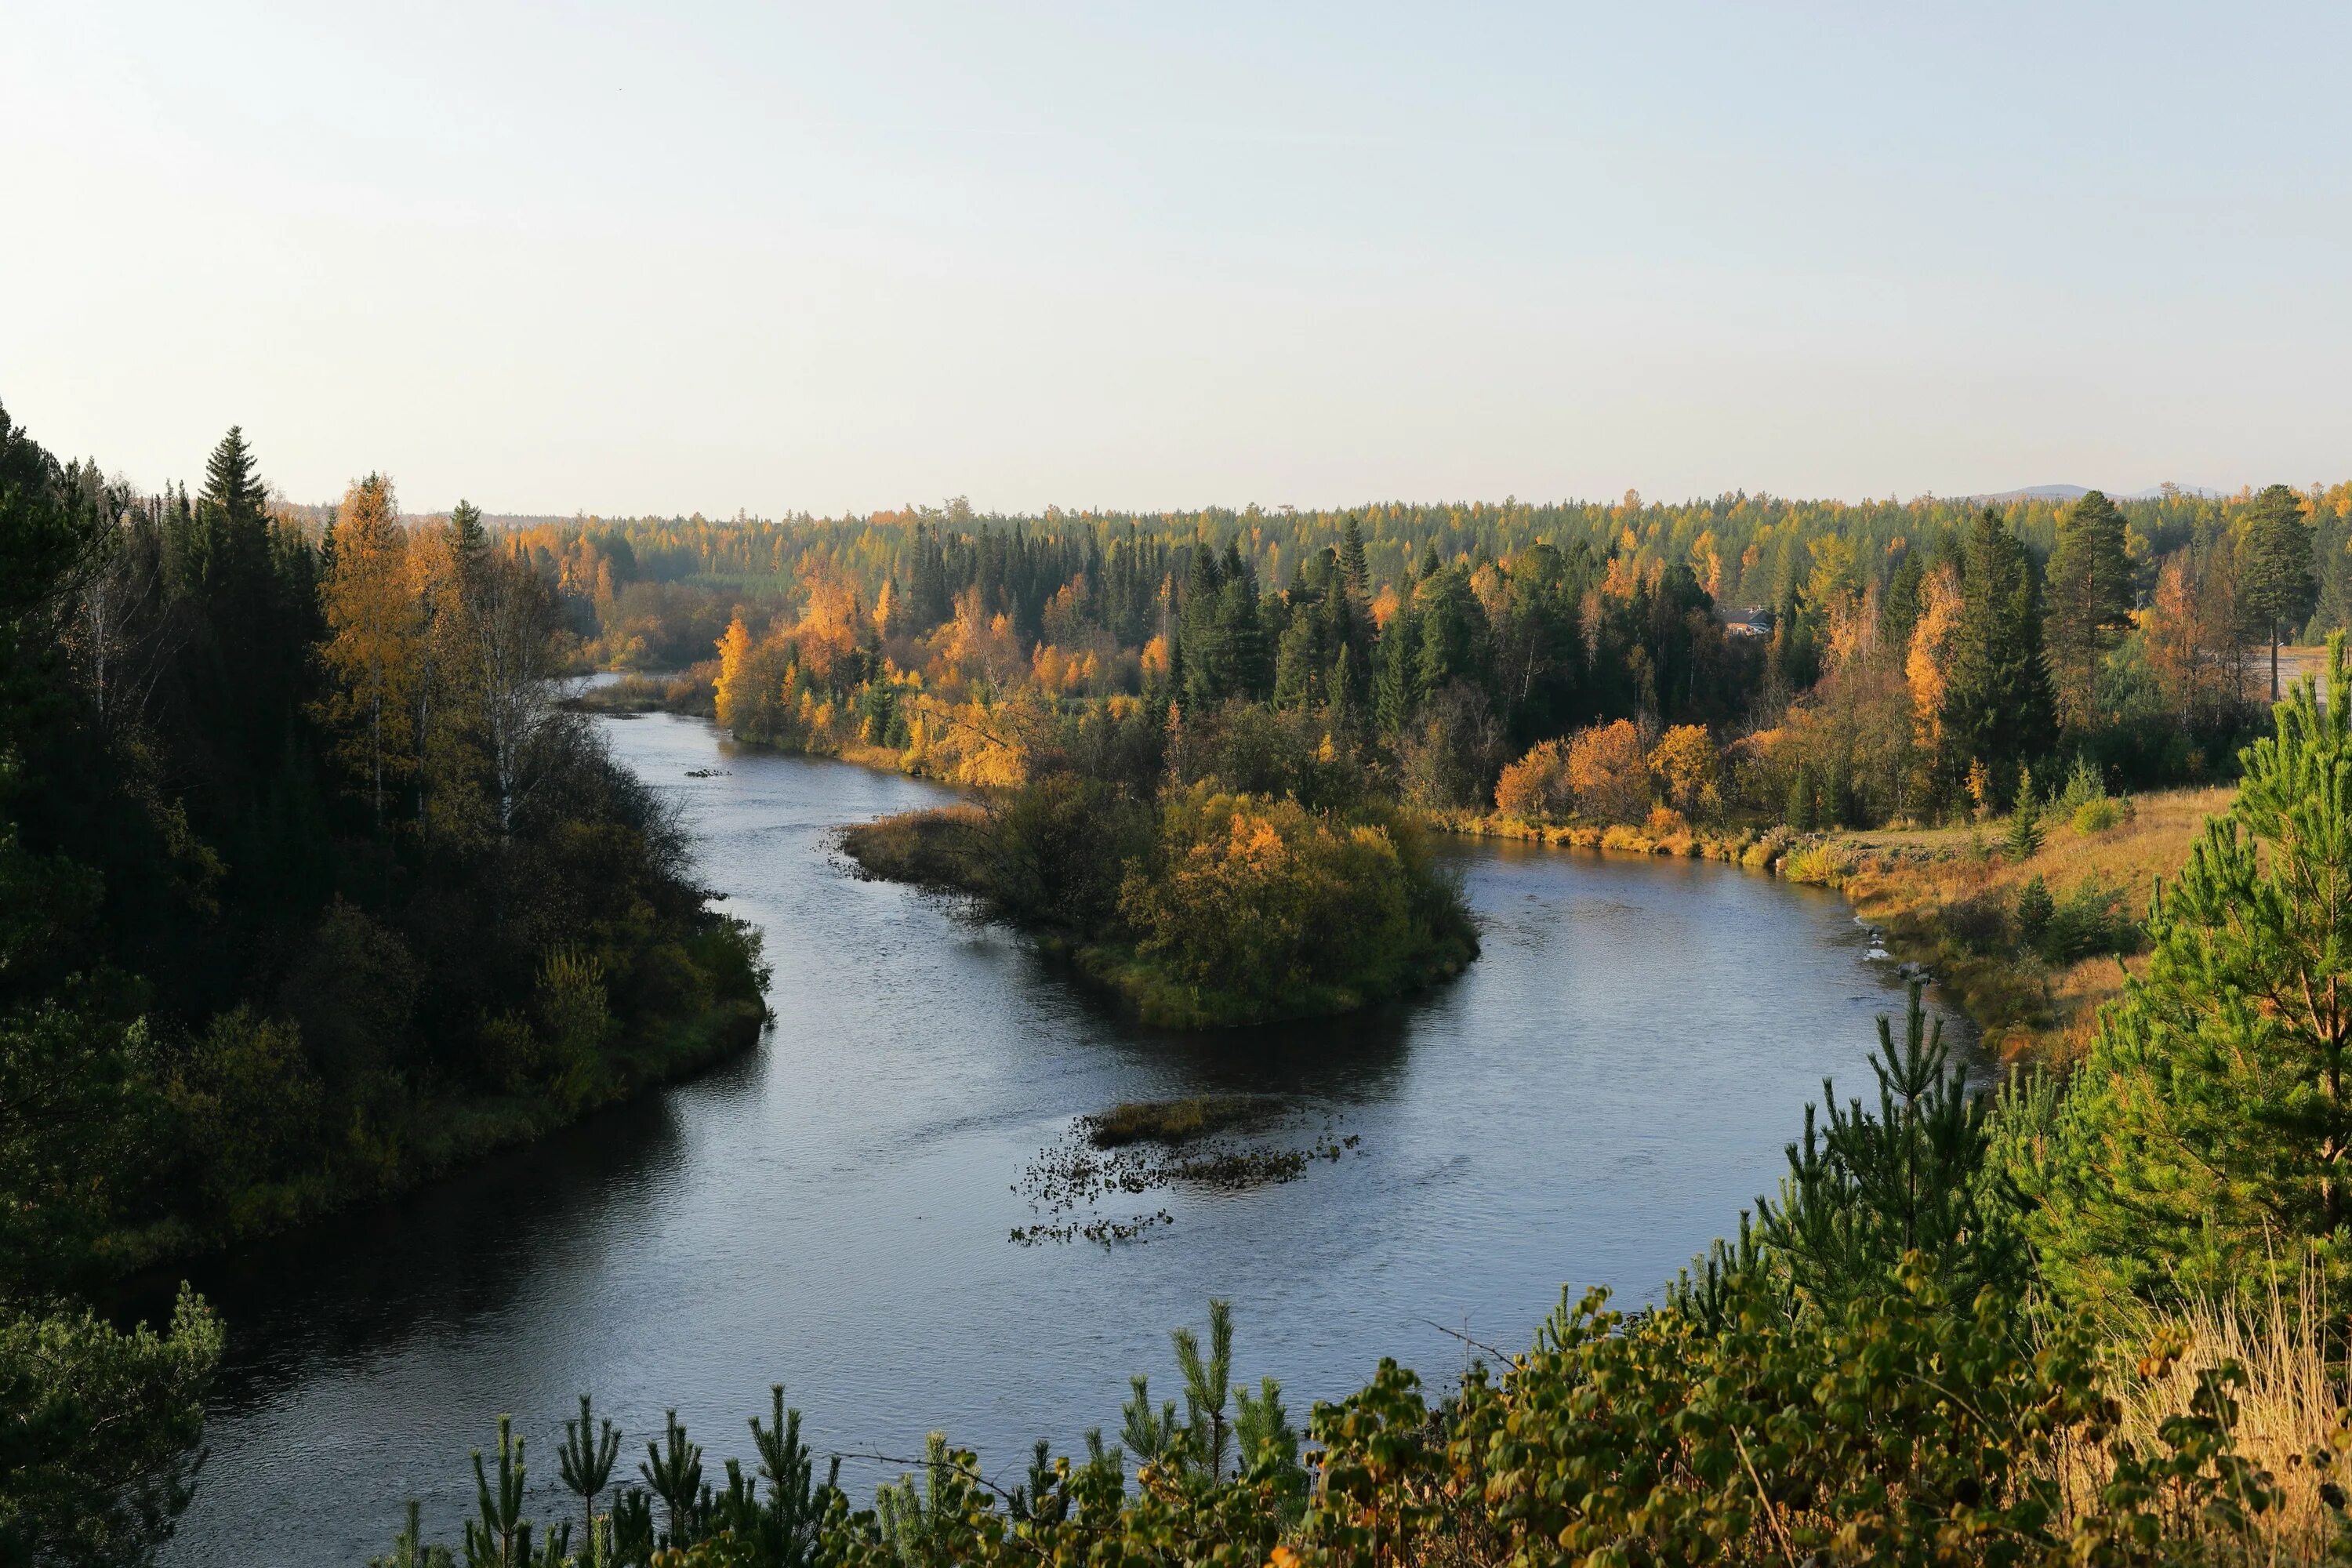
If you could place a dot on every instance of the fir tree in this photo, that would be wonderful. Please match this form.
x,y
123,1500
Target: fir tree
x,y
1351,559
2090,600
230,481
2208,1135
1997,707
2277,585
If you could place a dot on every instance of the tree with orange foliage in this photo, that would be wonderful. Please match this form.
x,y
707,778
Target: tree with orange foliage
x,y
1609,770
2194,638
1931,640
374,622
1535,786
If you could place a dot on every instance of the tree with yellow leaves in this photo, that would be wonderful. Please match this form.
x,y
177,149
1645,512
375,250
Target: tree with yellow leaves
x,y
374,623
1689,770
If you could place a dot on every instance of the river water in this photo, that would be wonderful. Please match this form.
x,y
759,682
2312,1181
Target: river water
x,y
1590,1103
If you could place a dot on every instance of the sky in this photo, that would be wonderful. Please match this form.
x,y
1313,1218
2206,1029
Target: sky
x,y
712,256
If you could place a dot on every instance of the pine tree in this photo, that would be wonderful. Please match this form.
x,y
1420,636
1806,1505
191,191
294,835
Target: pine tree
x,y
586,1461
2277,583
1916,1177
2090,600
2209,1133
1997,707
1208,1385
672,1470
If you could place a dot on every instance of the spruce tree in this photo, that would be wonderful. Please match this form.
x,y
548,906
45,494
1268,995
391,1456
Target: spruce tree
x,y
467,533
2208,1135
230,481
2277,583
1352,558
2090,599
1996,705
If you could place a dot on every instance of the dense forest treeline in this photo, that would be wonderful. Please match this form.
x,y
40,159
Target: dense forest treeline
x,y
308,888
1848,664
2082,1322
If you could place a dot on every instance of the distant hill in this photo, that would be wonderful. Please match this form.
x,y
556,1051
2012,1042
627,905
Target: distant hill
x,y
2075,493
2038,492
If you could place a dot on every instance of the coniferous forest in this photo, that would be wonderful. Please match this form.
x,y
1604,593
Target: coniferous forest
x,y
317,883
309,891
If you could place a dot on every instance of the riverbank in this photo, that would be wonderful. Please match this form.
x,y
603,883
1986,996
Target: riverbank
x,y
1947,901
1943,900
422,1142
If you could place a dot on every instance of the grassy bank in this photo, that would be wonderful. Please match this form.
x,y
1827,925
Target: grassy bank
x,y
1946,898
1949,899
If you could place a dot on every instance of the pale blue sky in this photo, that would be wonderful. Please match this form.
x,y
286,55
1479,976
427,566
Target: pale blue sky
x,y
709,255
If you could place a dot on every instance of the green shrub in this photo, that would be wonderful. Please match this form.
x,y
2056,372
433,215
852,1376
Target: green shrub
x,y
2089,923
2085,784
2099,816
2034,907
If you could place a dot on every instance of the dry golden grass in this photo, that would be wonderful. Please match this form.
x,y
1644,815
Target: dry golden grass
x,y
1922,885
2287,1407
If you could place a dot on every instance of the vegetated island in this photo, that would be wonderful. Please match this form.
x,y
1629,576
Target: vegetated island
x,y
1196,906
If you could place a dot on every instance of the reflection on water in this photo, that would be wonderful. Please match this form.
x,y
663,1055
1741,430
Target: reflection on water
x,y
1590,1103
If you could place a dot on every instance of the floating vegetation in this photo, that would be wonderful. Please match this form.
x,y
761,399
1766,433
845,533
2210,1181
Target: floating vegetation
x,y
1168,1120
1136,1147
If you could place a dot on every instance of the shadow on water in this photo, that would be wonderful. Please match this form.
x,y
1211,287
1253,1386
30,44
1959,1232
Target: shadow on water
x,y
365,1281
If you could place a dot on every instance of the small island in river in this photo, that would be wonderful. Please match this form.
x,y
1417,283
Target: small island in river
x,y
1199,907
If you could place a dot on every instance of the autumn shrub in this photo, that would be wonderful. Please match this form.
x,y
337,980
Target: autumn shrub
x,y
2100,815
1688,770
1608,772
1259,907
1536,787
1257,894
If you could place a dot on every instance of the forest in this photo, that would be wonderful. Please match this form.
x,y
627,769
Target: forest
x,y
314,886
1848,664
307,890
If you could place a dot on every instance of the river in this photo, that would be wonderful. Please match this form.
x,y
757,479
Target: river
x,y
1590,1103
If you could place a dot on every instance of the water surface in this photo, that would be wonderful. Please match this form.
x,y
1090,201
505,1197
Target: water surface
x,y
1589,1104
